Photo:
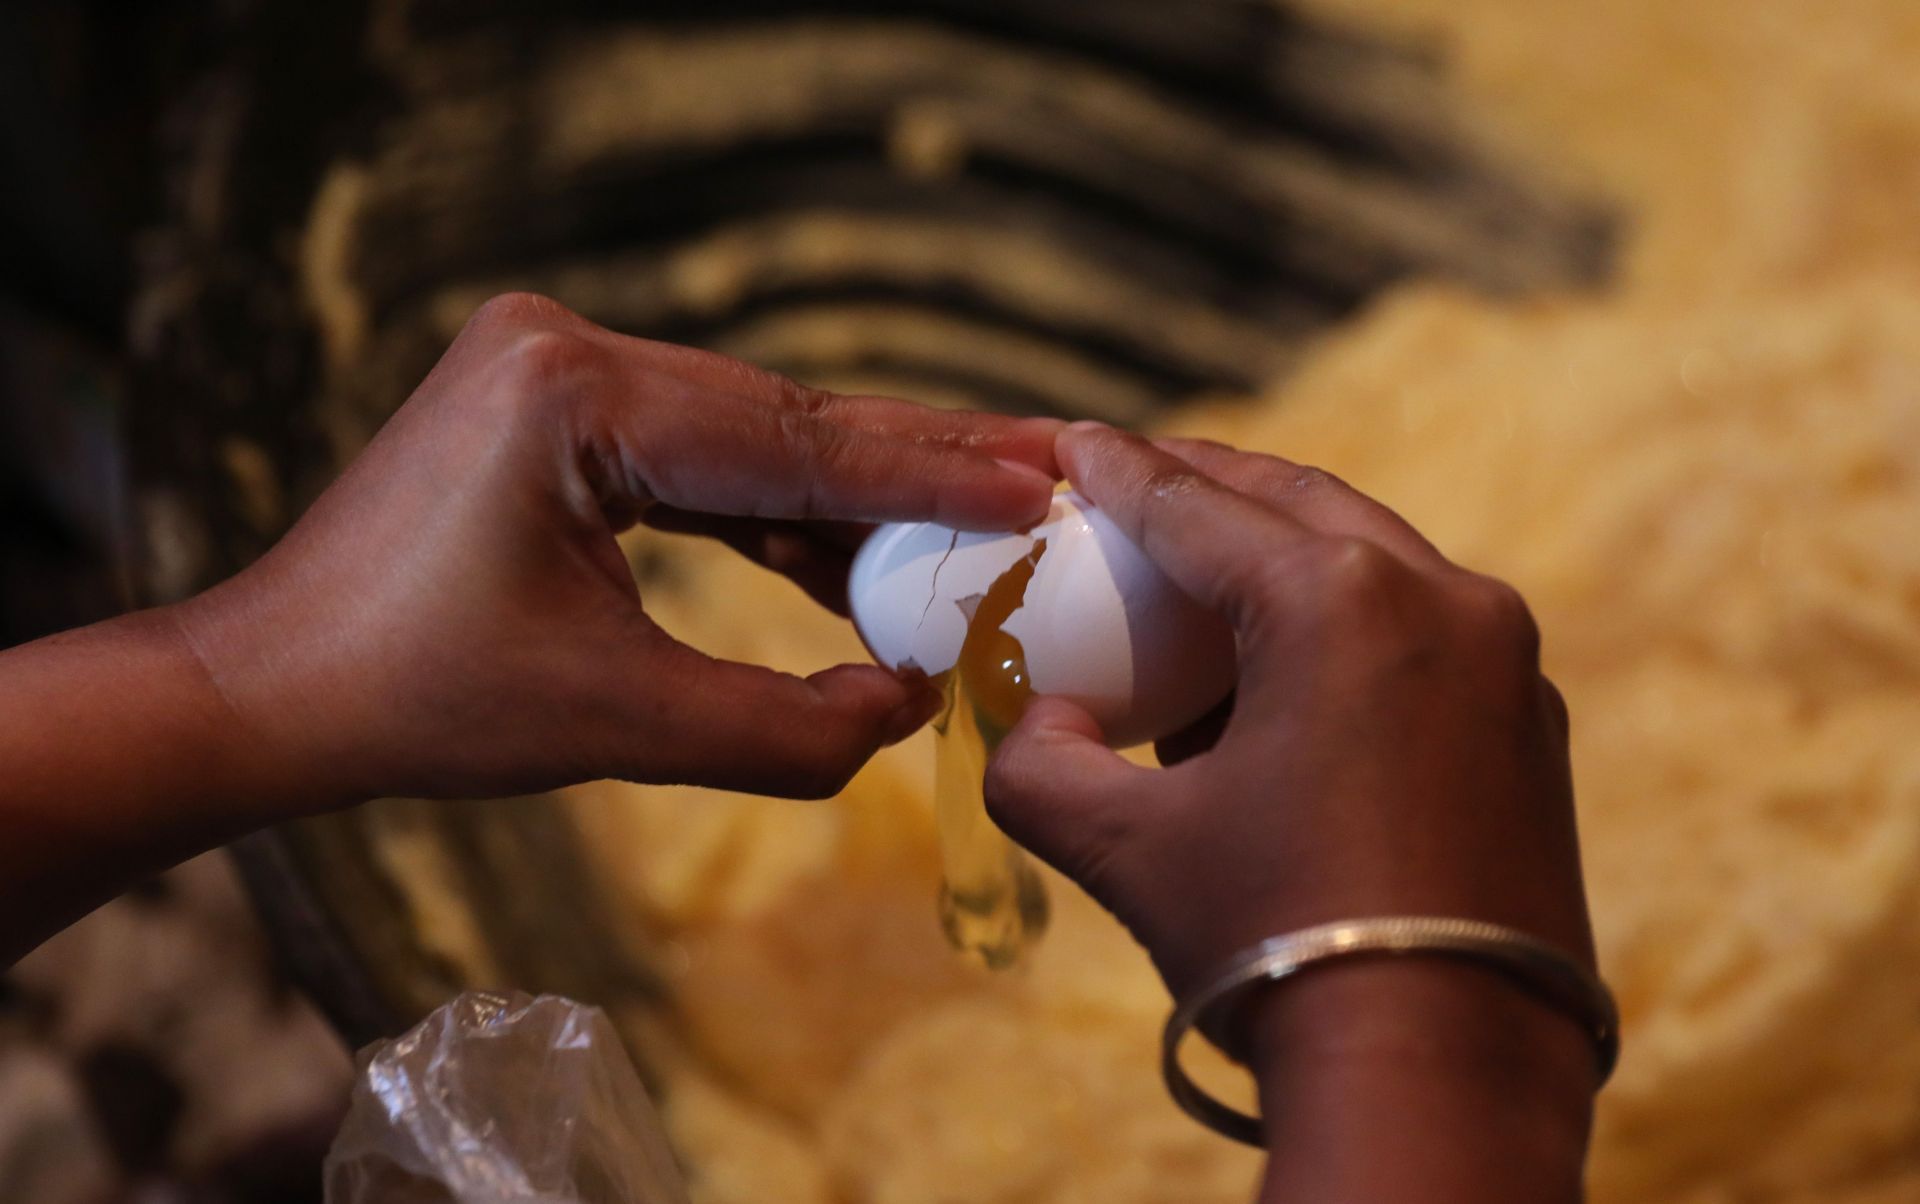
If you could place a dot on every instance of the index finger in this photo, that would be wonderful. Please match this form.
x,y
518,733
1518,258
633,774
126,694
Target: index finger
x,y
757,461
1026,440
1216,544
1314,496
768,448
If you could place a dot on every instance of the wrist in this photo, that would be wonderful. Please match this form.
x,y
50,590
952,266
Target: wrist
x,y
1419,1079
275,767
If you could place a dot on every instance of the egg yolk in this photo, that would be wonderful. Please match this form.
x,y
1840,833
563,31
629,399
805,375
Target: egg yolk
x,y
993,666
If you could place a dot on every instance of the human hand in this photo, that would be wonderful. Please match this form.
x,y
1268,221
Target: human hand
x,y
454,617
1392,749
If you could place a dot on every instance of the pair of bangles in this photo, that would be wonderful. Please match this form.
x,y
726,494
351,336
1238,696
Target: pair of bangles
x,y
1531,964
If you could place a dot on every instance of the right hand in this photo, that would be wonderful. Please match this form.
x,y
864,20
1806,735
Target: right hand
x,y
1392,749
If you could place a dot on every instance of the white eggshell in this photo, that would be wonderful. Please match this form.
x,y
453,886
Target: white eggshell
x,y
1100,624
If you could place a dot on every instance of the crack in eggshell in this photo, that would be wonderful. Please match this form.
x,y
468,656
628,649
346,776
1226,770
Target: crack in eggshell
x,y
933,586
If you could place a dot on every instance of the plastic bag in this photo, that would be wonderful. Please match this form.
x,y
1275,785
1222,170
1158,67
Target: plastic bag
x,y
502,1097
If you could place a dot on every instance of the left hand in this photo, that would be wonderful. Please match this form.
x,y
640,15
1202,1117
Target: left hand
x,y
454,618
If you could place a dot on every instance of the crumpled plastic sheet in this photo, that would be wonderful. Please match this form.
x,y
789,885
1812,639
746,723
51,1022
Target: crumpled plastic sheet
x,y
502,1097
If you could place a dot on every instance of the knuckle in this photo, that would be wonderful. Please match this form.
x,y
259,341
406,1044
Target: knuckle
x,y
1269,588
1171,484
1166,491
1345,570
1500,615
1356,587
540,359
764,385
533,345
817,446
802,399
1301,479
517,309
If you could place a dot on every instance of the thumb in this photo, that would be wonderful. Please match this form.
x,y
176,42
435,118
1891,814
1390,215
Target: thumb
x,y
719,723
1056,788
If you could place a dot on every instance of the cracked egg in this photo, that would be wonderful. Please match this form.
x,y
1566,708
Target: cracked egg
x,y
1098,622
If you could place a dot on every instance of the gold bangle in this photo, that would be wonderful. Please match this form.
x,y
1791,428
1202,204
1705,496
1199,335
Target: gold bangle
x,y
1531,963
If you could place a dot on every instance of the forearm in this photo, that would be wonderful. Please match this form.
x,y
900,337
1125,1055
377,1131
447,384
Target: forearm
x,y
1421,1082
118,758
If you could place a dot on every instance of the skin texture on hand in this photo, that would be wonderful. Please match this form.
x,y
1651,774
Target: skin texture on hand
x,y
1391,749
454,617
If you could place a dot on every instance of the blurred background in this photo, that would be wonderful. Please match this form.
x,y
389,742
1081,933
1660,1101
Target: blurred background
x,y
1618,300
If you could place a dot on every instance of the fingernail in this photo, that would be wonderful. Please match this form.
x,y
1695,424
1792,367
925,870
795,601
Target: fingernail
x,y
1104,430
1050,425
1027,471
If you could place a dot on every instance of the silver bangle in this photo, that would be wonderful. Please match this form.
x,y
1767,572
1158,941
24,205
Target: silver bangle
x,y
1531,963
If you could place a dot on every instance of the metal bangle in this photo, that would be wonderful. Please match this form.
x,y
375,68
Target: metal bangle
x,y
1531,963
